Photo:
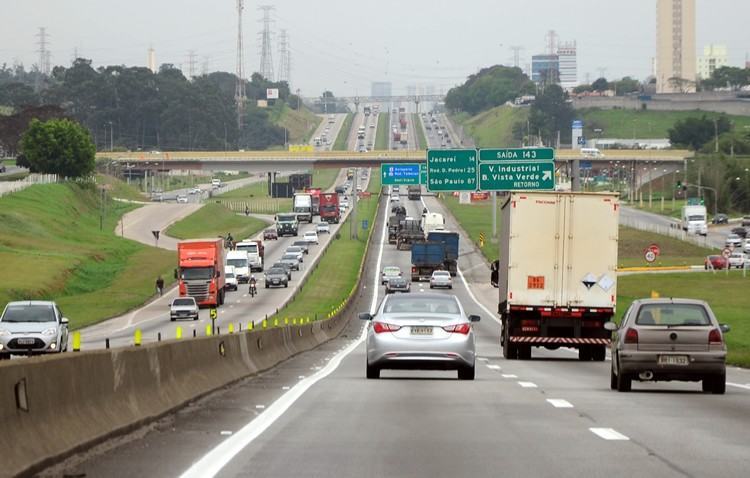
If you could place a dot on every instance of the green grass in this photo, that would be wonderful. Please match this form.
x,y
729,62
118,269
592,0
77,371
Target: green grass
x,y
726,294
642,124
477,217
417,122
8,162
670,211
383,133
213,220
343,138
300,125
52,248
337,272
493,128
120,189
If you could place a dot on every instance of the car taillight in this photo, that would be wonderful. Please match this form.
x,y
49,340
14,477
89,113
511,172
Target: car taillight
x,y
380,327
458,329
413,269
631,336
714,337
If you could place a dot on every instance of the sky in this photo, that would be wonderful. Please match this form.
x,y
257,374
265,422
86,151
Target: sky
x,y
344,45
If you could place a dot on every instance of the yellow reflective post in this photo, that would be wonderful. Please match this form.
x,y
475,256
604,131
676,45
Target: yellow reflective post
x,y
76,341
178,333
231,328
265,323
208,330
275,322
138,337
251,325
294,321
286,320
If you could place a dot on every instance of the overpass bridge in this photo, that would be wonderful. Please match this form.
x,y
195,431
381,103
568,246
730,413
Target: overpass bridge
x,y
287,161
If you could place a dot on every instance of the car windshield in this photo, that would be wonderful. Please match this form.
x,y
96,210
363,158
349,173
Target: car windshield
x,y
29,313
431,305
293,249
250,248
289,257
229,275
276,271
672,315
185,301
237,262
391,271
197,273
696,218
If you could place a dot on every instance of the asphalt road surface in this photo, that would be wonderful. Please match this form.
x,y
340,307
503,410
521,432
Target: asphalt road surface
x,y
552,416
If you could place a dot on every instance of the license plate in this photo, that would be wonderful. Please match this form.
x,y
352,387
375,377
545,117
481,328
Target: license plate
x,y
26,341
421,330
673,360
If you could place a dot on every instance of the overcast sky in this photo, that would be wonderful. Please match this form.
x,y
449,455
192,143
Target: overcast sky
x,y
343,45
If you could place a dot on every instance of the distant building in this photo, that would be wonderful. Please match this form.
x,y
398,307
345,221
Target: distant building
x,y
675,46
568,67
382,88
545,68
411,90
152,60
714,57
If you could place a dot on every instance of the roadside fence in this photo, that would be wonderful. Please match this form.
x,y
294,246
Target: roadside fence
x,y
9,187
674,231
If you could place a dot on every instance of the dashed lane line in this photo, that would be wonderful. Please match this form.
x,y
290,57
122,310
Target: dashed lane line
x,y
559,403
608,434
527,384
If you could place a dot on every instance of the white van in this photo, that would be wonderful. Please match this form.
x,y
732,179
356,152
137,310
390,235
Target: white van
x,y
216,183
592,152
241,264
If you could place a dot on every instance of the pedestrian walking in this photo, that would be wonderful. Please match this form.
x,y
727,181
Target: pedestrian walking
x,y
160,286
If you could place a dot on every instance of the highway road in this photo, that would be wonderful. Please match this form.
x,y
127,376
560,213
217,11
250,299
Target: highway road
x,y
317,414
328,132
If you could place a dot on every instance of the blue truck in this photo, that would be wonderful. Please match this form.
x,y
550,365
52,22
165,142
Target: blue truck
x,y
438,252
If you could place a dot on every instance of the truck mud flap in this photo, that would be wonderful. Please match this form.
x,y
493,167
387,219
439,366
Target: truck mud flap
x,y
559,340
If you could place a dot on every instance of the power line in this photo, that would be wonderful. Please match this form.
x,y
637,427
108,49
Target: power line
x,y
191,63
266,55
44,57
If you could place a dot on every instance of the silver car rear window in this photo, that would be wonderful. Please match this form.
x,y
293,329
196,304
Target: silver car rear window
x,y
183,302
430,305
29,313
672,315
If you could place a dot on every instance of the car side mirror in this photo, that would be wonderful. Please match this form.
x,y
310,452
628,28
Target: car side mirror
x,y
365,316
64,321
474,318
724,328
611,326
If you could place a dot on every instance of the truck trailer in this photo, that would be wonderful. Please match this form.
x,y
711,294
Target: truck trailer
x,y
329,208
557,274
200,271
302,206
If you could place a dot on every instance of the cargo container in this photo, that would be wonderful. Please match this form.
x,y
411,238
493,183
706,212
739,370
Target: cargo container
x,y
329,208
200,270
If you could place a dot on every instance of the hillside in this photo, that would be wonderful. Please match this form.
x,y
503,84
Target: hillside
x,y
300,124
494,127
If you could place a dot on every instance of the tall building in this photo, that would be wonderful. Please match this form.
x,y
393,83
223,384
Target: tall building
x,y
714,57
567,53
675,46
545,69
152,60
382,88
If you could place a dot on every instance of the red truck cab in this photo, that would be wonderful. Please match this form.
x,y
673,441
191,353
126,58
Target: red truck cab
x,y
329,208
315,193
200,270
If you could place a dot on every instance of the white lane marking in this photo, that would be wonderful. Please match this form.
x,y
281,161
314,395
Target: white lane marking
x,y
559,403
285,387
260,407
225,432
739,385
483,359
527,384
608,434
212,462
493,367
509,375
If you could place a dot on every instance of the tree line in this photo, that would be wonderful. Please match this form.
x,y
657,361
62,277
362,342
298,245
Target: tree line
x,y
135,109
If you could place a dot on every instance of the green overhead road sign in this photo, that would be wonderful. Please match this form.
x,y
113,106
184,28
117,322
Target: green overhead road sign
x,y
516,154
451,170
422,173
517,176
400,174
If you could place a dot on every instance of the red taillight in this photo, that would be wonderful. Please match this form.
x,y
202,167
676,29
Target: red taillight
x,y
380,327
714,337
413,269
631,336
458,329
529,326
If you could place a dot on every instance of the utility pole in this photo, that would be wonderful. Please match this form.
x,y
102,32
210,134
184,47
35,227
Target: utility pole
x,y
191,63
44,57
266,55
239,92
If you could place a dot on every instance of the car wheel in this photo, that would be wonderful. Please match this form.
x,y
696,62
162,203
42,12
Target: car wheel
x,y
431,286
598,353
450,287
467,373
4,356
716,384
624,382
373,371
286,284
195,317
612,378
171,319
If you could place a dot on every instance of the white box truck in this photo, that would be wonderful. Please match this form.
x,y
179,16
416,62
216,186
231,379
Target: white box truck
x,y
302,206
241,263
557,272
694,219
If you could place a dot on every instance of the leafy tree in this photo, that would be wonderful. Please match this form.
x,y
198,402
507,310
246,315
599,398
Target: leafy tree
x,y
59,146
488,88
626,85
728,77
600,85
13,127
550,113
695,132
18,95
583,89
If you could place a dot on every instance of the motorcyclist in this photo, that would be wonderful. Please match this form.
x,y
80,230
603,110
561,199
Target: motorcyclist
x,y
252,283
229,241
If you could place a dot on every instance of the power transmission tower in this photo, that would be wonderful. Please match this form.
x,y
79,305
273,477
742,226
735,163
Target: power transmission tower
x,y
44,57
516,49
191,63
266,55
205,65
602,72
284,66
551,40
239,91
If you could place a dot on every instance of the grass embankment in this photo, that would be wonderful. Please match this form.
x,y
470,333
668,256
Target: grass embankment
x,y
640,124
51,247
119,189
300,124
337,273
726,294
383,132
343,137
477,217
493,128
213,220
421,139
255,196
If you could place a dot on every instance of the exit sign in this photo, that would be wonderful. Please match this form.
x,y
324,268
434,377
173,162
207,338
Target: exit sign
x,y
516,154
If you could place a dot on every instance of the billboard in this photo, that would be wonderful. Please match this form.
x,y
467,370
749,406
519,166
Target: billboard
x,y
272,93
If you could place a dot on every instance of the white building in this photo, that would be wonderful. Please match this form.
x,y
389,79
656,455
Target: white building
x,y
568,64
714,57
675,46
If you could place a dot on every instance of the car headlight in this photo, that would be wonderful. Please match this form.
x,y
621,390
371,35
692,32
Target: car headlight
x,y
50,331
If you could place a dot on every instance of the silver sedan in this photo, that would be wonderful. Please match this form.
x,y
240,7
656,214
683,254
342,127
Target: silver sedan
x,y
421,332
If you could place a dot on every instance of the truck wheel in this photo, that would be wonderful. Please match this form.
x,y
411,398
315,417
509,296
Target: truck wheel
x,y
171,319
598,353
716,384
4,356
524,352
584,353
612,378
221,298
